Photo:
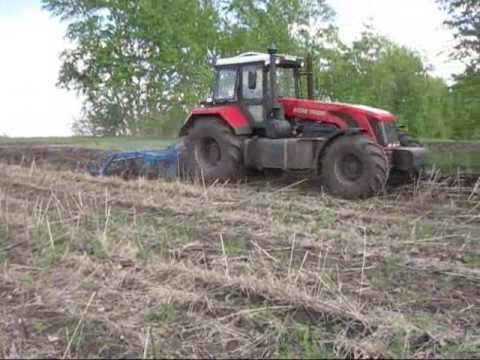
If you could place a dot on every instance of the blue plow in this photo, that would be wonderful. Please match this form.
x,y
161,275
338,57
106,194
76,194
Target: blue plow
x,y
150,163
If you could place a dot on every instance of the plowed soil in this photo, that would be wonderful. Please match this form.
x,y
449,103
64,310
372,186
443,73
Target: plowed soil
x,y
56,157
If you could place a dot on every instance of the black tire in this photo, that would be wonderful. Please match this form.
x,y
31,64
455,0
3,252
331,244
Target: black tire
x,y
407,140
212,152
354,167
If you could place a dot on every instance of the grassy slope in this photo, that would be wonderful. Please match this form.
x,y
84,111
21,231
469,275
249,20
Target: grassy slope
x,y
101,267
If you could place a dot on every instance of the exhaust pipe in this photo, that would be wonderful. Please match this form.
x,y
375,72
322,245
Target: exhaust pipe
x,y
276,125
310,88
276,113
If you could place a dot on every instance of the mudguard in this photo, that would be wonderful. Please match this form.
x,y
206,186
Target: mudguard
x,y
231,114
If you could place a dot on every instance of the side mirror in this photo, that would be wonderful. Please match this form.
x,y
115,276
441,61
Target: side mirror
x,y
252,80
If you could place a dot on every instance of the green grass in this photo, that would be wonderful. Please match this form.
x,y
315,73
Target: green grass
x,y
464,158
468,161
164,313
305,342
107,143
446,141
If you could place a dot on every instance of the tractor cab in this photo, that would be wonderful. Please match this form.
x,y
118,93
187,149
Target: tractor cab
x,y
246,76
247,80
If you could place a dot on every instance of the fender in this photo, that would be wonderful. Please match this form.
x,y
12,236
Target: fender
x,y
341,132
231,114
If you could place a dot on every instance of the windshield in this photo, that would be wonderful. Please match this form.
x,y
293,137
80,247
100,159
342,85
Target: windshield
x,y
286,82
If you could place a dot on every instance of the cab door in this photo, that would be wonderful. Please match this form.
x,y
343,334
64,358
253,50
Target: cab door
x,y
252,94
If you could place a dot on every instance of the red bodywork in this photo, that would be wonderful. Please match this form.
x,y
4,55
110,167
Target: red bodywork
x,y
341,115
231,114
331,113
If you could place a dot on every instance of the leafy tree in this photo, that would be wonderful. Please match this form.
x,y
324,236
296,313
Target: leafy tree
x,y
464,19
140,64
256,24
464,99
135,60
377,72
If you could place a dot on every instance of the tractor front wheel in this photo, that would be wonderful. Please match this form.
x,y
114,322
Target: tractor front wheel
x,y
212,152
354,167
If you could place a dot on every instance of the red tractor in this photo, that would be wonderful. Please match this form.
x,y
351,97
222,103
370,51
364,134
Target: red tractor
x,y
255,118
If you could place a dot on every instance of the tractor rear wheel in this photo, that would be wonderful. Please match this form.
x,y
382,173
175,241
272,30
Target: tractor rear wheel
x,y
354,167
212,152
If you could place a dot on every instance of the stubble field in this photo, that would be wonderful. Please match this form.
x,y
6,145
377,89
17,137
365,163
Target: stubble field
x,y
101,267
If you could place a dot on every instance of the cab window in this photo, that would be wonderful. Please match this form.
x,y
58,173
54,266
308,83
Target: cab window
x,y
286,82
226,84
252,87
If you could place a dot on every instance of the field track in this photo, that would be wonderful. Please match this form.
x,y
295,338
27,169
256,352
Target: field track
x,y
101,267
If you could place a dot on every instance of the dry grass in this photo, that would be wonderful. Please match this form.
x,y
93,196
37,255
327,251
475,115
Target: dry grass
x,y
107,268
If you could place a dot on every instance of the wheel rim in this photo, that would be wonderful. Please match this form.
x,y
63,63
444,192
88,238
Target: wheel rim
x,y
208,152
351,167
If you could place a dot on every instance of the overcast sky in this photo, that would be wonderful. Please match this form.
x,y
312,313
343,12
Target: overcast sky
x,y
31,40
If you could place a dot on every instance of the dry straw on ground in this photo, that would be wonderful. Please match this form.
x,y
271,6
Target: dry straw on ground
x,y
107,268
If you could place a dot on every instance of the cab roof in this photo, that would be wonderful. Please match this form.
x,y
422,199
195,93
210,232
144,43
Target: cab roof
x,y
254,57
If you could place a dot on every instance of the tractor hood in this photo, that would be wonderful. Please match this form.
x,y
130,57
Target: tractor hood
x,y
313,109
378,113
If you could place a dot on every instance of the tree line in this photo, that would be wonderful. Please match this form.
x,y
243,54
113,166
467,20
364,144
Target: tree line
x,y
141,65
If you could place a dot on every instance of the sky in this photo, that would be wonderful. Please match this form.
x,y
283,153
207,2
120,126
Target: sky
x,y
31,41
414,23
